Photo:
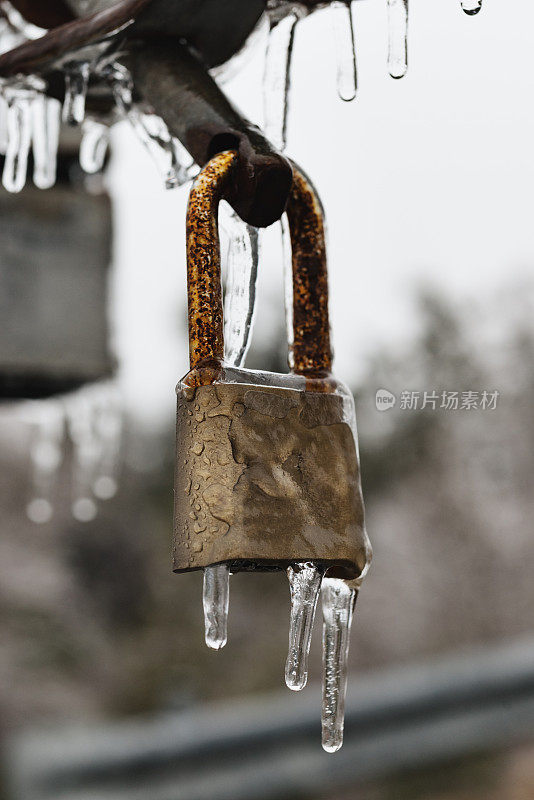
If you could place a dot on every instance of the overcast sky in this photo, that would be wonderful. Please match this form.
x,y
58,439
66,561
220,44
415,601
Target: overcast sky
x,y
425,179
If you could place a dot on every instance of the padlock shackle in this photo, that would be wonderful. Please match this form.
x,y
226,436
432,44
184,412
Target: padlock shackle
x,y
310,352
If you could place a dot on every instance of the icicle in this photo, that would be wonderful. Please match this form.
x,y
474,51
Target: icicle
x,y
94,146
154,134
347,80
3,126
471,7
86,453
19,130
287,256
215,601
277,77
242,273
398,38
46,454
338,605
171,158
45,126
304,583
76,83
108,430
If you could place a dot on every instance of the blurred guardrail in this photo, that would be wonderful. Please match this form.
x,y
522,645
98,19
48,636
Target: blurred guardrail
x,y
270,748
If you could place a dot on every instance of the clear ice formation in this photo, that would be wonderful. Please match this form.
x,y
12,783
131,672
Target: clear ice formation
x,y
304,584
94,422
242,273
277,76
19,135
338,600
46,456
215,601
169,155
80,420
397,38
76,83
18,25
45,126
92,418
239,303
94,146
471,7
22,126
343,27
108,432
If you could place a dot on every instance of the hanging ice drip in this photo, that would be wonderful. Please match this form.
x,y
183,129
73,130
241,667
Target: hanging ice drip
x,y
88,423
277,70
240,299
20,95
171,158
397,38
267,473
471,7
90,59
343,28
94,146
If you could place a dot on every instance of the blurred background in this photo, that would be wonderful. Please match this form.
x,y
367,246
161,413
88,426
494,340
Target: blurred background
x,y
106,687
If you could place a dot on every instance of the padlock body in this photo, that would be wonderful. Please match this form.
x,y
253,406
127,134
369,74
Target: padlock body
x,y
266,476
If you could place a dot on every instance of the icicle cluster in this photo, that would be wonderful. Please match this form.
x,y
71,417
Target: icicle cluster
x,y
90,420
305,578
31,120
171,158
28,119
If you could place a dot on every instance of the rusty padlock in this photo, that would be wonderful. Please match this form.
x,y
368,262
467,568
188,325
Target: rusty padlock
x,y
267,468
